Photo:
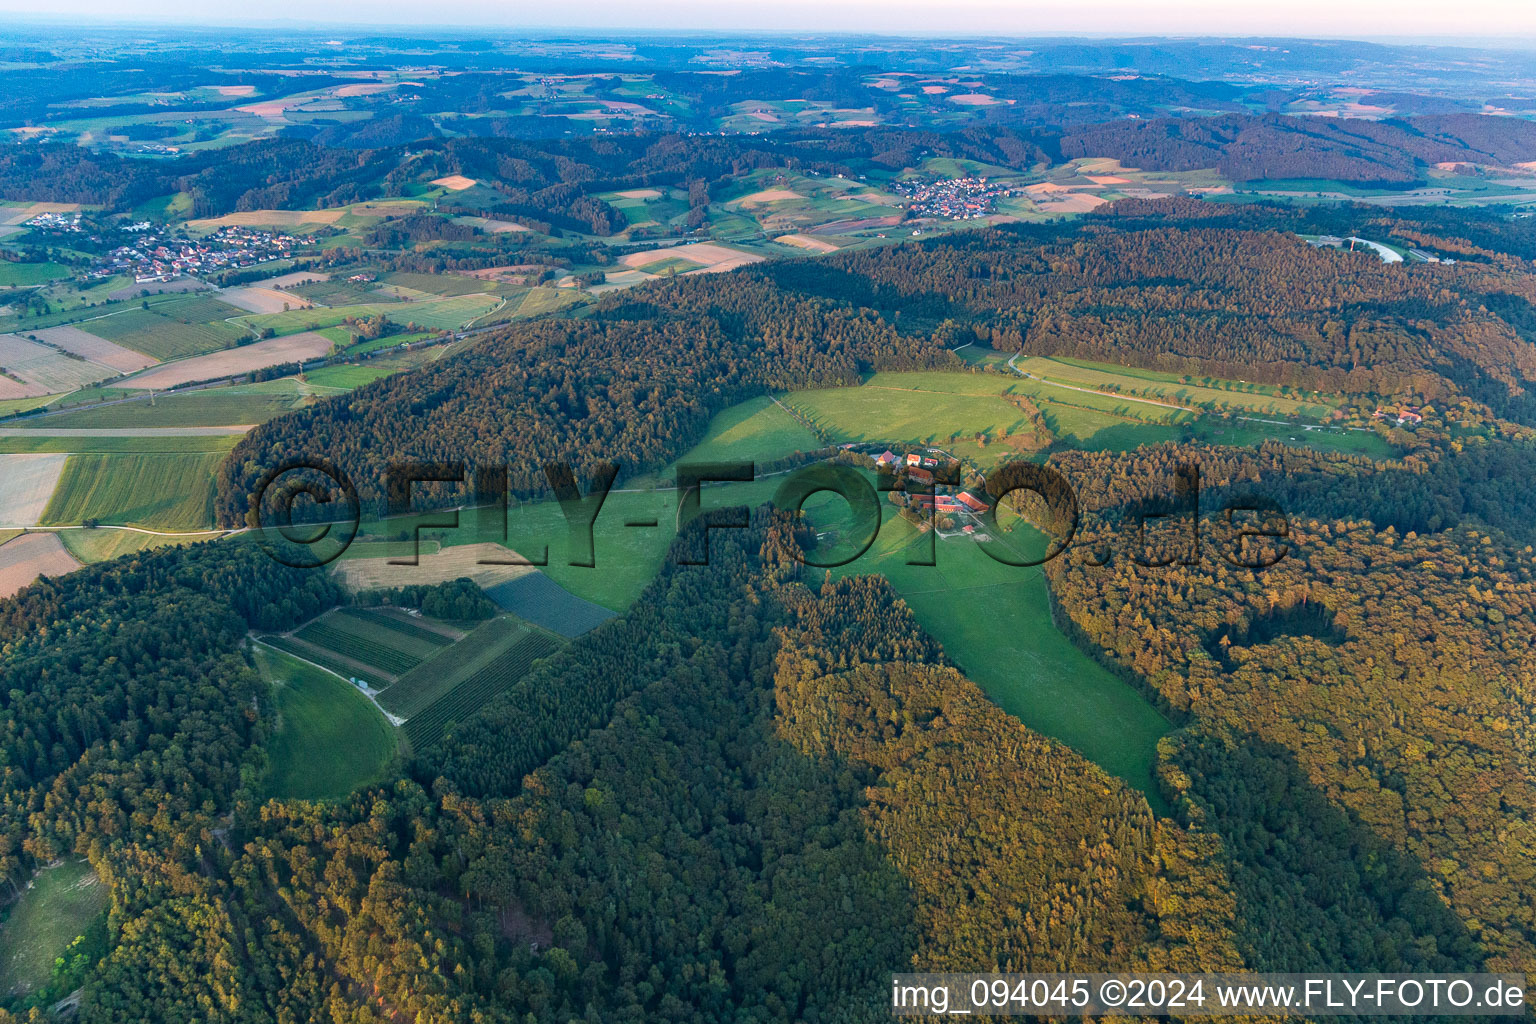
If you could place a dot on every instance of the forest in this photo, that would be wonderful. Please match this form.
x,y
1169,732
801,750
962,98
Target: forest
x,y
554,182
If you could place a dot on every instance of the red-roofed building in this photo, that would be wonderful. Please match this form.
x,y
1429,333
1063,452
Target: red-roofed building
x,y
887,458
972,502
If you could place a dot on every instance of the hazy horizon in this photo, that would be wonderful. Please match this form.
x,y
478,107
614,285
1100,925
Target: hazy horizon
x,y
1483,22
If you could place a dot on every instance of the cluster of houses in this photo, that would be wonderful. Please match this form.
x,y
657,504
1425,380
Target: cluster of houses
x,y
952,198
69,222
919,467
154,258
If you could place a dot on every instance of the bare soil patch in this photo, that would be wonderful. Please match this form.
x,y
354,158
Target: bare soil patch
x,y
263,300
441,566
711,258
235,361
769,195
97,350
800,241
29,556
268,218
455,182
26,484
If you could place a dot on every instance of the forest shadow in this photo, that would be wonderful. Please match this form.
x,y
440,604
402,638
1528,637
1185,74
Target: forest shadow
x,y
1317,889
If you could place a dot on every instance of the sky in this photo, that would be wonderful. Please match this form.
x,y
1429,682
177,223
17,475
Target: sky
x,y
1359,19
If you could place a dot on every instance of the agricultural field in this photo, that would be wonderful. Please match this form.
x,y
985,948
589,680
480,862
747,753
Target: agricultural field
x,y
12,406
417,689
436,284
134,441
539,301
435,313
432,567
168,492
326,293
163,337
329,739
104,543
57,906
44,369
424,674
24,558
29,275
706,257
543,602
98,350
26,484
479,688
237,405
252,299
258,355
1208,394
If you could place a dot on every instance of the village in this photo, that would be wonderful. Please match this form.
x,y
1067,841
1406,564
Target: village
x,y
952,198
154,258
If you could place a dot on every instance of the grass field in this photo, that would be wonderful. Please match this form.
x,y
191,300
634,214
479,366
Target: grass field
x,y
11,406
329,739
349,375
42,442
994,621
758,429
254,403
164,337
893,408
1205,393
162,492
26,275
436,314
105,545
55,909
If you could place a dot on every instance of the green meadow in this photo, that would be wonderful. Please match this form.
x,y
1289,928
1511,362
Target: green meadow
x,y
994,621
329,739
167,492
216,407
55,909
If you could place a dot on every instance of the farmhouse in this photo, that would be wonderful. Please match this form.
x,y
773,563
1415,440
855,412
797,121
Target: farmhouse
x,y
922,476
972,502
886,458
914,460
937,503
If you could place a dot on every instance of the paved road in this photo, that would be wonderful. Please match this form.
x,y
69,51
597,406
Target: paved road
x,y
44,431
129,529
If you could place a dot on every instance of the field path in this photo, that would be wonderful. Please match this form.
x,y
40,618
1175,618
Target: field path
x,y
1105,394
45,431
366,691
